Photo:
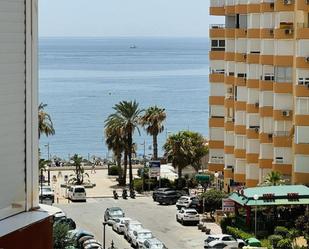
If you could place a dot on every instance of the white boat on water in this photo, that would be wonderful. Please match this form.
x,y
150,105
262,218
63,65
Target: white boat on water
x,y
133,46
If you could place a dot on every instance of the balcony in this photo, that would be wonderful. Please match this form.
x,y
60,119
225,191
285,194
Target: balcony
x,y
217,7
281,133
284,5
302,31
285,31
217,31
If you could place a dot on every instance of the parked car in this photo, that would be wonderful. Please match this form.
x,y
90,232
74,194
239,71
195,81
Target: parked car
x,y
91,243
222,240
187,216
80,236
131,226
119,224
188,202
160,191
77,193
139,236
153,243
46,195
167,197
113,213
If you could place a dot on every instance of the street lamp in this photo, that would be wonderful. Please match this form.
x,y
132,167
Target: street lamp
x,y
104,224
48,170
255,197
216,176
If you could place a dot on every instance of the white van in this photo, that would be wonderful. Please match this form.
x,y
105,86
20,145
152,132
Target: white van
x,y
77,193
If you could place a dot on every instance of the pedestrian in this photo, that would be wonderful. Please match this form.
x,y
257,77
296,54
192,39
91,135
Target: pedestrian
x,y
93,168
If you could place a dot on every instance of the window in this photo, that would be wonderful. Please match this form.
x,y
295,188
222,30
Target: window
x,y
240,142
302,105
217,45
268,77
302,135
303,81
283,74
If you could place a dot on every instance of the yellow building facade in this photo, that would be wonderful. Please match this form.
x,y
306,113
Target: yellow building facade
x,y
259,91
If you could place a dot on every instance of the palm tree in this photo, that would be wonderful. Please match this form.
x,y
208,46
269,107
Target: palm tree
x,y
185,148
114,139
127,116
152,121
78,178
273,178
45,123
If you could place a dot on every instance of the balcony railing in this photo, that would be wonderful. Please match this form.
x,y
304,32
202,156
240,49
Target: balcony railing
x,y
217,3
281,133
217,26
216,160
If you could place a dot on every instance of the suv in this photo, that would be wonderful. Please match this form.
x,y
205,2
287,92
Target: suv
x,y
167,197
77,193
188,202
187,215
223,240
47,195
160,191
113,213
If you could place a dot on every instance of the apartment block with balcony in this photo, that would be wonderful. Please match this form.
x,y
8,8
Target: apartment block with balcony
x,y
259,80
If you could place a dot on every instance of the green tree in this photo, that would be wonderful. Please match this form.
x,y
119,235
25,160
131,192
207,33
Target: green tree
x,y
79,176
115,141
213,199
273,178
61,236
302,224
45,122
127,116
152,121
185,148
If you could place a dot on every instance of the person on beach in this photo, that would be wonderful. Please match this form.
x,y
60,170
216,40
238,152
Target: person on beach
x,y
93,168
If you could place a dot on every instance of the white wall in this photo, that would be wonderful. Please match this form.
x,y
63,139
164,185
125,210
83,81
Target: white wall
x,y
266,151
217,89
301,164
283,101
253,146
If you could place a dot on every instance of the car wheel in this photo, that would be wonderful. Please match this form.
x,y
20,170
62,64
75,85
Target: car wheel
x,y
241,245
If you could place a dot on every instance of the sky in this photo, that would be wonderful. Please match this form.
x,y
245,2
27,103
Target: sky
x,y
184,18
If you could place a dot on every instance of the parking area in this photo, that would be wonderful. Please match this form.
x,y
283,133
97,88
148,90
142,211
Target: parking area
x,y
160,219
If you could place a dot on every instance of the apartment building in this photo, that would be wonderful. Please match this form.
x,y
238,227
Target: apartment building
x,y
23,224
259,91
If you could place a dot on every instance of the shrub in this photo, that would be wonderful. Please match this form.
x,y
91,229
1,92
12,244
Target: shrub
x,y
237,233
283,231
274,239
138,185
180,183
266,243
226,221
61,236
284,244
113,171
166,183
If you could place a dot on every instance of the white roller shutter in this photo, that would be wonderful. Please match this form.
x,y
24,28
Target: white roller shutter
x,y
12,107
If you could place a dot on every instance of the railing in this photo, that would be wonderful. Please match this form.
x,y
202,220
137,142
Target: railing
x,y
217,3
217,26
216,160
281,133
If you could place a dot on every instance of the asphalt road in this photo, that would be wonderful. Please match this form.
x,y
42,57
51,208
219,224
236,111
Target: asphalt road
x,y
161,220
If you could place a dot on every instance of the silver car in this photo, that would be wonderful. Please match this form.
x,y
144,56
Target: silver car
x,y
153,243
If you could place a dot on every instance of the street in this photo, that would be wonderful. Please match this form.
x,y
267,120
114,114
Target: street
x,y
161,220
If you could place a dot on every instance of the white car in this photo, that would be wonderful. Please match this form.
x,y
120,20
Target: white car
x,y
187,202
77,193
222,240
119,224
131,226
188,215
47,195
153,243
139,236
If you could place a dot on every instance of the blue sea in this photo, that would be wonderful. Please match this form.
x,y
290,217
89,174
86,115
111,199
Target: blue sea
x,y
81,79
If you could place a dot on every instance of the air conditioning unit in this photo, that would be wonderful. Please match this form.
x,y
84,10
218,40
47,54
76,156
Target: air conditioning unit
x,y
288,31
270,135
271,31
230,90
286,113
272,5
245,56
256,130
257,104
287,2
307,58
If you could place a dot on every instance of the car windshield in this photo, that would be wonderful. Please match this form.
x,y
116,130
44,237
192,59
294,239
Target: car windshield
x,y
191,212
116,213
183,199
145,235
46,189
135,226
79,190
209,239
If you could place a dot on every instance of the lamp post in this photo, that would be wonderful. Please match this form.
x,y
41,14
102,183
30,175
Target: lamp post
x,y
104,224
255,197
48,157
216,176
